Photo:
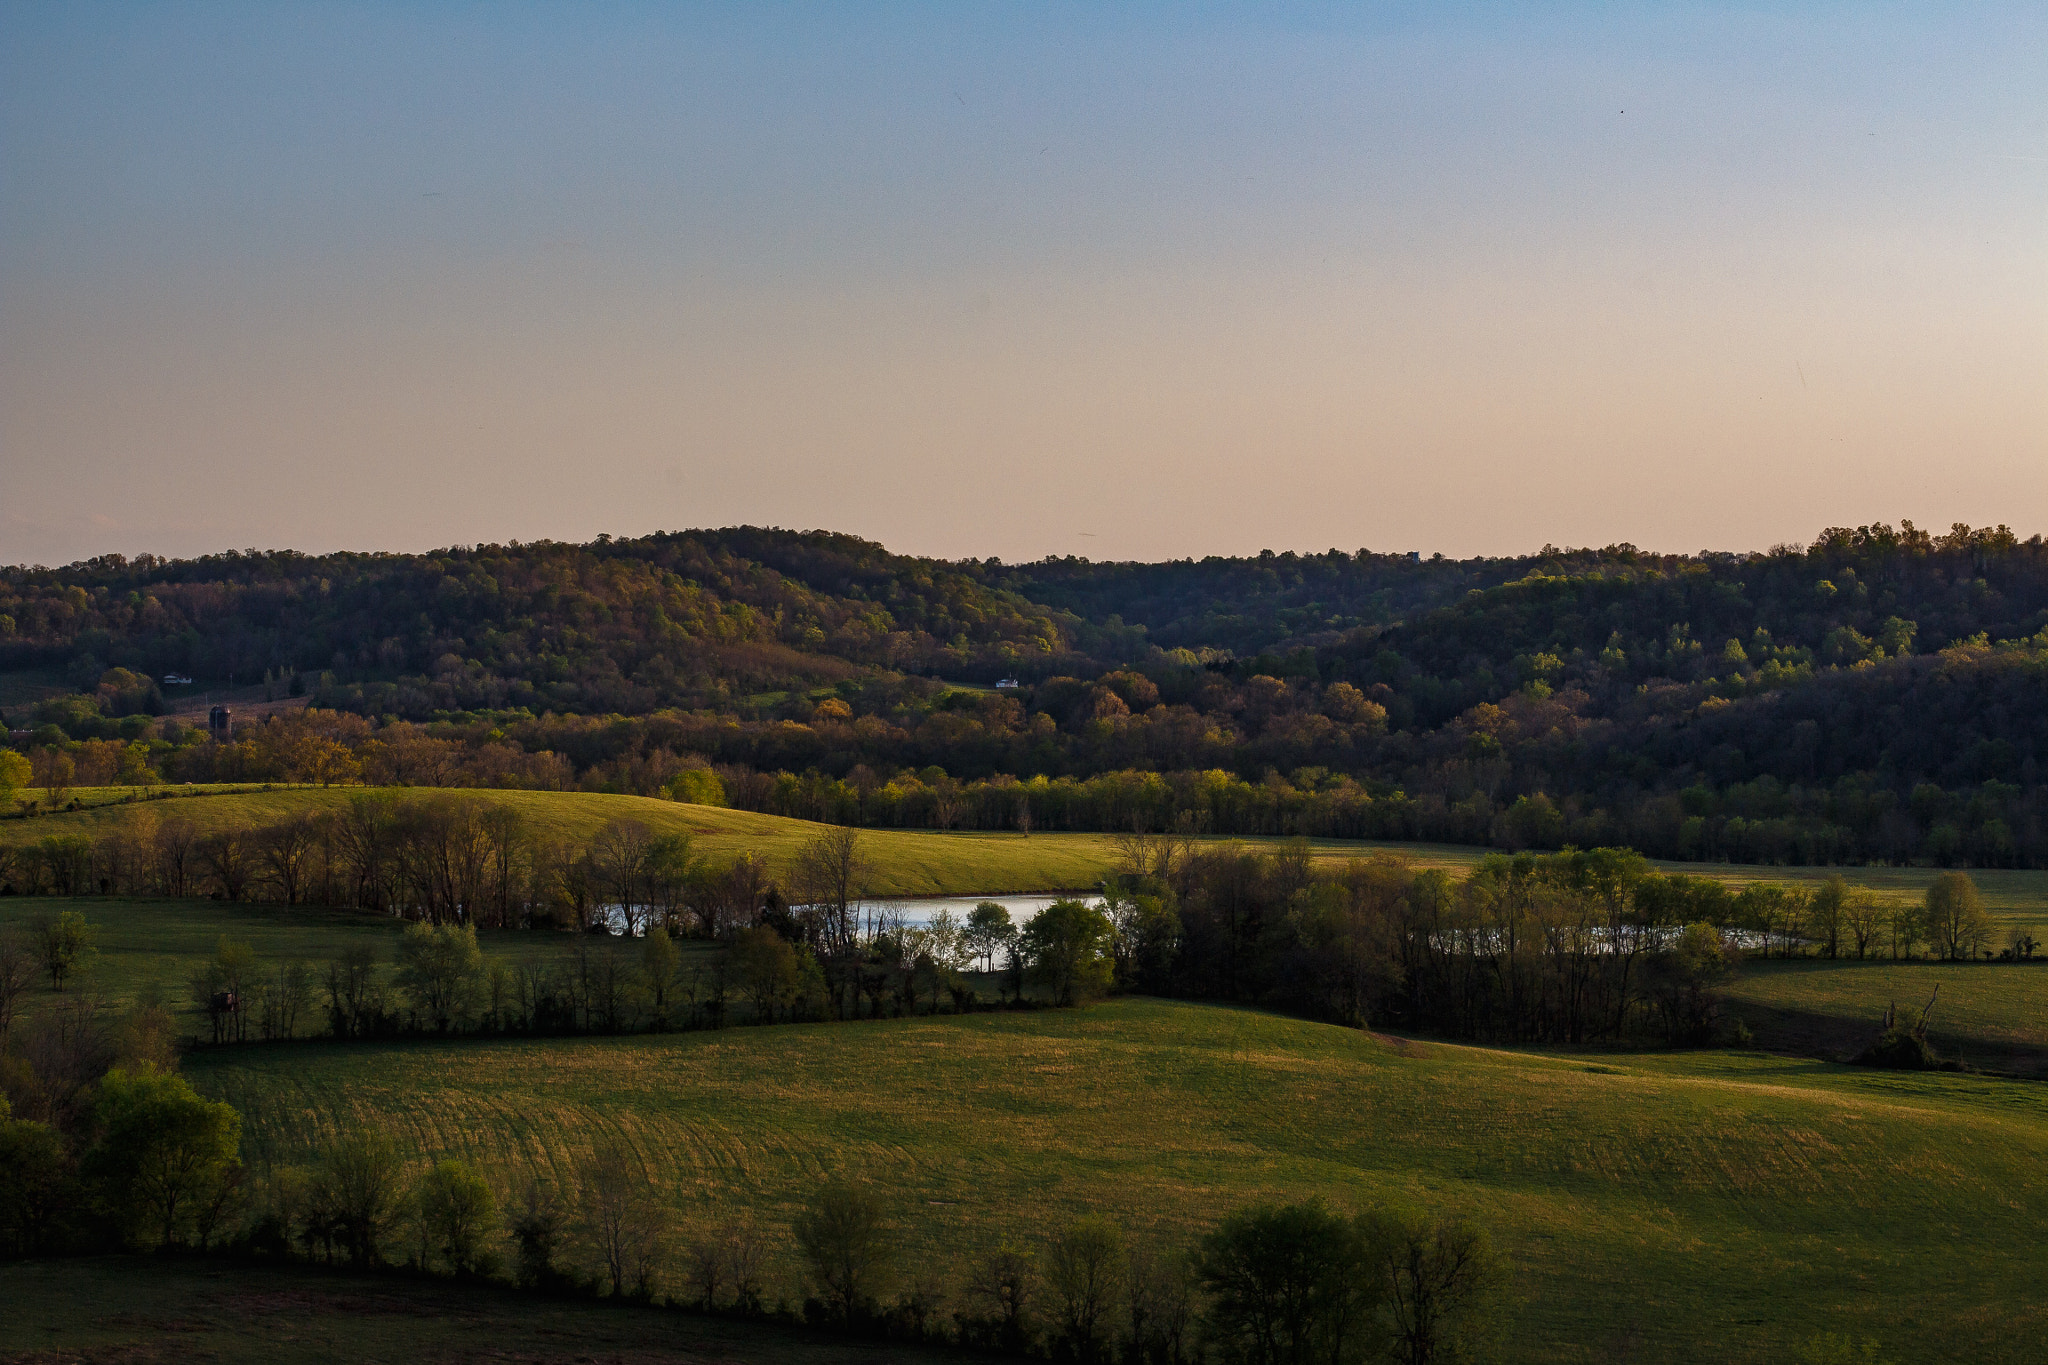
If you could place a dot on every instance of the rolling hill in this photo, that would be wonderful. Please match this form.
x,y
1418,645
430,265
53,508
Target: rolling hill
x,y
1705,1206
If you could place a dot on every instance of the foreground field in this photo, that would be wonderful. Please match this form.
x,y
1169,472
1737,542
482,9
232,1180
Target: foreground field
x,y
909,862
134,1310
1991,1014
1684,1207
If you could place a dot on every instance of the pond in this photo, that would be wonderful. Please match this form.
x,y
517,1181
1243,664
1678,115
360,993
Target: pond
x,y
925,909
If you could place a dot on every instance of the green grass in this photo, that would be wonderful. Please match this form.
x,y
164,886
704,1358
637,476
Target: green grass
x,y
1991,1014
161,944
1704,1206
132,1309
906,862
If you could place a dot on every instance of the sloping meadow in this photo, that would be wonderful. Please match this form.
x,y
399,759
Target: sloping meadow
x,y
1705,1205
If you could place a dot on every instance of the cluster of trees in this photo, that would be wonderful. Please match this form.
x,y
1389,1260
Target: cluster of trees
x,y
1272,1285
326,748
1570,947
436,856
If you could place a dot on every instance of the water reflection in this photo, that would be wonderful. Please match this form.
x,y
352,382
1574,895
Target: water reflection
x,y
918,912
1021,908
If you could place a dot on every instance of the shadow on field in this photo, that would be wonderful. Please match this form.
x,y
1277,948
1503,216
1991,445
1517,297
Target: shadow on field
x,y
132,1309
1838,1038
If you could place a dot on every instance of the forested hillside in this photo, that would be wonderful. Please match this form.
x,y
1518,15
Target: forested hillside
x,y
616,625
1880,695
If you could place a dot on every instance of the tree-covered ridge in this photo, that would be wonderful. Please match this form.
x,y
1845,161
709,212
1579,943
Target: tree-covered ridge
x,y
1269,601
616,625
1880,695
1736,623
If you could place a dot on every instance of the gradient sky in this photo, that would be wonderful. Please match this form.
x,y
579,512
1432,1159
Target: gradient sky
x,y
1131,281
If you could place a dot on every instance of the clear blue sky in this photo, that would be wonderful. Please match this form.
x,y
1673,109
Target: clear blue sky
x,y
1123,282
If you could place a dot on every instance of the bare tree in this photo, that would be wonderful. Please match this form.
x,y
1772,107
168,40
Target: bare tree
x,y
1085,1268
725,1263
620,1220
174,843
362,837
1004,1282
68,1046
1863,916
508,855
225,855
1433,1273
357,1192
829,877
54,772
18,967
619,855
946,804
1160,1300
285,850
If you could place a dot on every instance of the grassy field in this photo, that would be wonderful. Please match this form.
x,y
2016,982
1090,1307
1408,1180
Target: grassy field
x,y
133,1310
1706,1206
1991,1014
918,862
906,862
162,944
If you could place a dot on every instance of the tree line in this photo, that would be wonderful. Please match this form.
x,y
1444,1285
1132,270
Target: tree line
x,y
1573,947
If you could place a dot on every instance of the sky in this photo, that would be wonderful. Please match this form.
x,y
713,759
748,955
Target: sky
x,y
1131,281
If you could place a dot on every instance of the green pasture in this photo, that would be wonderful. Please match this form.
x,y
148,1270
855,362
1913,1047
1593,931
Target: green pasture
x,y
905,862
1675,1207
1990,1014
153,948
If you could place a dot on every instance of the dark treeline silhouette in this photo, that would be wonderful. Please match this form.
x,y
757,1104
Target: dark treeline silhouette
x,y
1566,948
1878,696
1573,947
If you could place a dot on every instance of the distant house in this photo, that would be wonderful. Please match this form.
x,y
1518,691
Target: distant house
x,y
176,680
1008,683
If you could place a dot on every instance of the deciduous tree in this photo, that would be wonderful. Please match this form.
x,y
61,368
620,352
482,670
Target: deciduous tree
x,y
357,1192
1431,1275
66,944
620,1220
1068,947
847,1246
459,1213
1085,1268
1957,926
161,1153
